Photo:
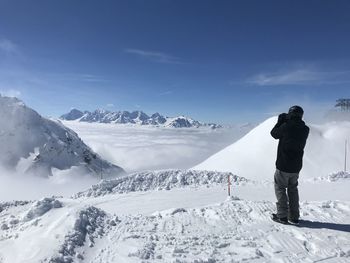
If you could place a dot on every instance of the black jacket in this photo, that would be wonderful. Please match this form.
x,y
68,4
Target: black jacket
x,y
292,135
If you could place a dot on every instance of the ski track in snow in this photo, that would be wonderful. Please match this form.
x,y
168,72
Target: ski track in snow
x,y
191,222
233,231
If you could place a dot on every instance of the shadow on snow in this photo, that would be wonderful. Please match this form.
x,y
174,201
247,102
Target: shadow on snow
x,y
325,225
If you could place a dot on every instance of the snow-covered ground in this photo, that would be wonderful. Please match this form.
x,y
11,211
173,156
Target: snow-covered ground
x,y
137,148
193,221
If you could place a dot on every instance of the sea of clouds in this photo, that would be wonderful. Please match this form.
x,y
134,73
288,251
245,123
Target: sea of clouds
x,y
139,148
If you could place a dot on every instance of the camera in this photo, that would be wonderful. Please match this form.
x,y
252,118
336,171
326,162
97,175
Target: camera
x,y
283,117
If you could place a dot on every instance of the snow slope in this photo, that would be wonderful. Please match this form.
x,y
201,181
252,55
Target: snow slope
x,y
191,222
254,155
33,144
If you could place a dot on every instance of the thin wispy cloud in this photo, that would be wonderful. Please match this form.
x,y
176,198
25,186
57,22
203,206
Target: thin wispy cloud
x,y
110,105
167,92
8,47
82,77
300,77
91,78
76,77
154,56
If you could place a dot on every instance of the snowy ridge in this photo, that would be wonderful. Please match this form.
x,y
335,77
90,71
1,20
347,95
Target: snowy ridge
x,y
135,117
6,224
333,177
6,205
41,207
88,226
161,180
338,176
36,145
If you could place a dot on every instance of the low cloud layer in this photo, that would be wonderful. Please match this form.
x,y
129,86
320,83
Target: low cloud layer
x,y
19,186
150,148
133,148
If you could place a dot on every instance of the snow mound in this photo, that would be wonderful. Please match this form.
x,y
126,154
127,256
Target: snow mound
x,y
334,177
254,155
160,180
338,176
31,143
88,226
41,207
5,205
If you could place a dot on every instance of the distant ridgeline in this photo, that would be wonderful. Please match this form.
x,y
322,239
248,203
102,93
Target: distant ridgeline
x,y
341,111
135,117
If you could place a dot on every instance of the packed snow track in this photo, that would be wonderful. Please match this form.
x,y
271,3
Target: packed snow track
x,y
174,216
232,231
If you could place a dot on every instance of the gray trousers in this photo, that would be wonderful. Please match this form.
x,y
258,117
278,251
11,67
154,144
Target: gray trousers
x,y
286,190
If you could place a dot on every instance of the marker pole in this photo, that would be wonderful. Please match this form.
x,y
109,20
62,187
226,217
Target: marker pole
x,y
346,153
228,185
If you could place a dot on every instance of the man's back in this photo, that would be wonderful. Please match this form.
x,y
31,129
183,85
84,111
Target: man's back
x,y
292,134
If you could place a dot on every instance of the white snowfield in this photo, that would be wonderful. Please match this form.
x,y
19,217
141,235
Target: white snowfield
x,y
33,144
135,219
253,155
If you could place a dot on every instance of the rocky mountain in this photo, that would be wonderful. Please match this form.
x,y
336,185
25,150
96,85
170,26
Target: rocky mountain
x,y
185,122
33,144
73,115
135,117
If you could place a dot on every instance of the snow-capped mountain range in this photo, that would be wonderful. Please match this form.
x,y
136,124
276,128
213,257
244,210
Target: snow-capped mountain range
x,y
31,143
135,117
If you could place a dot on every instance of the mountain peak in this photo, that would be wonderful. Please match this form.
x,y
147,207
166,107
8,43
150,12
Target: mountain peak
x,y
135,117
72,115
34,144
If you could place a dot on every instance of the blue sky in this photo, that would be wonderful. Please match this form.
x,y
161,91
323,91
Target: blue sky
x,y
220,61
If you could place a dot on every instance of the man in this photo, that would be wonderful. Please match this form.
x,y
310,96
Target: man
x,y
292,133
